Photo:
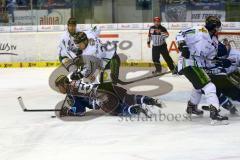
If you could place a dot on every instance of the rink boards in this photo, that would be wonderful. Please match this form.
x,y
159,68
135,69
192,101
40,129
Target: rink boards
x,y
56,64
39,49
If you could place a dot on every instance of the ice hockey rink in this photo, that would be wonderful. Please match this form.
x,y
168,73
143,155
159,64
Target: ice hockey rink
x,y
31,136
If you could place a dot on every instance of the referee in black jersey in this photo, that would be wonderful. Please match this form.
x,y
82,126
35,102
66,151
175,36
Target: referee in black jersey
x,y
158,34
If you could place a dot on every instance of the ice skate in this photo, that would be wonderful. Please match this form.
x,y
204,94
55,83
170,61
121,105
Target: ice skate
x,y
192,109
216,118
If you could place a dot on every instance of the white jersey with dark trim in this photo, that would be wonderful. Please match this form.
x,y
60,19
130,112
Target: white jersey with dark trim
x,y
96,56
202,47
66,47
97,48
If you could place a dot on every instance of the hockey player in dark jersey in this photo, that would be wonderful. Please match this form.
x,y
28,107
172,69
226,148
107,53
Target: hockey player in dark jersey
x,y
111,99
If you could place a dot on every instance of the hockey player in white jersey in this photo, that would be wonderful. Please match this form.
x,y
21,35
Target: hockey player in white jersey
x,y
72,56
198,47
96,55
66,47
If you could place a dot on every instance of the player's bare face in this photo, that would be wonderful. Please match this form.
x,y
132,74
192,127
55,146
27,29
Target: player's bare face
x,y
62,89
81,46
157,23
72,28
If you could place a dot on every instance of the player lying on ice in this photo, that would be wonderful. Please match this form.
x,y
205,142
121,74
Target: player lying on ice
x,y
226,76
85,56
111,99
198,47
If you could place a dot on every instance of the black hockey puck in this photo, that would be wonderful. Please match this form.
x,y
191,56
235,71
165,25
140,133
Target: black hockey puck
x,y
53,116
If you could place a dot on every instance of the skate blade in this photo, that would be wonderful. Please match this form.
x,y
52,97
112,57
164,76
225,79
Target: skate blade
x,y
205,108
217,123
194,115
160,106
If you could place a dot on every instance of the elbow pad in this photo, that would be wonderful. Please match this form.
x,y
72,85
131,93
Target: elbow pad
x,y
182,46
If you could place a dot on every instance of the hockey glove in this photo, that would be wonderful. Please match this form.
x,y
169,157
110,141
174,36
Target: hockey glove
x,y
182,46
225,63
76,76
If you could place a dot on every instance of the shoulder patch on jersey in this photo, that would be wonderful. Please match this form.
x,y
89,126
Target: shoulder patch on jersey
x,y
203,30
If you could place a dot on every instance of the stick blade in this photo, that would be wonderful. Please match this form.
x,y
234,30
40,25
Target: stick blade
x,y
20,100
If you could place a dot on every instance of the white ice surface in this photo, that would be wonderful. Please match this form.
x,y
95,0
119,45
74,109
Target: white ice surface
x,y
33,136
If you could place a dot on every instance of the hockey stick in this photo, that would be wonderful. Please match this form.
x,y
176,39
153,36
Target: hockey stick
x,y
20,100
141,79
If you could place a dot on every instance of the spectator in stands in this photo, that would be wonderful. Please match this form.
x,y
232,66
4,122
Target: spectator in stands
x,y
2,3
50,6
2,10
22,2
10,4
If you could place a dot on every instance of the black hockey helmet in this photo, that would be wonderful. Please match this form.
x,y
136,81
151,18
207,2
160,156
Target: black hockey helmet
x,y
212,22
72,20
80,37
61,80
